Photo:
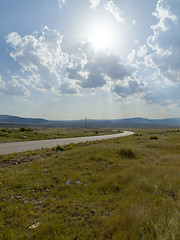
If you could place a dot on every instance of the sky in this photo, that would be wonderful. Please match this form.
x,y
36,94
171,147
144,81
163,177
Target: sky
x,y
95,59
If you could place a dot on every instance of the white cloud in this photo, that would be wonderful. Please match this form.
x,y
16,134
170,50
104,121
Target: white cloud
x,y
127,88
13,87
2,83
157,62
40,57
142,51
94,3
100,69
68,87
14,39
61,2
162,94
165,14
165,42
115,11
131,56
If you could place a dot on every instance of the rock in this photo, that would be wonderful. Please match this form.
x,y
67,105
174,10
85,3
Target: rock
x,y
35,225
93,211
47,190
18,197
69,182
45,170
78,182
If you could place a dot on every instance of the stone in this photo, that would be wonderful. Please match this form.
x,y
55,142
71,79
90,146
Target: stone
x,y
69,182
35,225
93,211
18,197
78,182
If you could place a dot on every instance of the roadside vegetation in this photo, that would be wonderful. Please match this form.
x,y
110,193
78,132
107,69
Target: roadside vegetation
x,y
121,189
28,133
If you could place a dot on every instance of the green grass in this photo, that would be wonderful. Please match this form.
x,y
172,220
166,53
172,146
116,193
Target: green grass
x,y
28,134
124,188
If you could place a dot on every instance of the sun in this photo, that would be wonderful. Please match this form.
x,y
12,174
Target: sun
x,y
101,36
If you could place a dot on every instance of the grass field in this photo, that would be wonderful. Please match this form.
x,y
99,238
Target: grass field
x,y
28,134
121,189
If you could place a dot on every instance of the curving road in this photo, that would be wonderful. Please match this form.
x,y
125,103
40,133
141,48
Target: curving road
x,y
14,147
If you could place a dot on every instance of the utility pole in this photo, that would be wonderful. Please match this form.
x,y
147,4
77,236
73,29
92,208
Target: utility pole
x,y
85,123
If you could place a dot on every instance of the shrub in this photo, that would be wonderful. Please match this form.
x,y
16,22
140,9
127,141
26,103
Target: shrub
x,y
22,129
59,148
154,138
127,153
120,131
3,130
29,129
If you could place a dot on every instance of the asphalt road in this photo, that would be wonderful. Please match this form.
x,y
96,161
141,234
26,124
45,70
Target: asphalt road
x,y
14,147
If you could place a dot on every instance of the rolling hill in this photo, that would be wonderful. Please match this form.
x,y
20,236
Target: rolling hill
x,y
7,120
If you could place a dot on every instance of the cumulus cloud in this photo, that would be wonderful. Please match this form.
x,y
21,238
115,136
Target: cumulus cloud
x,y
13,87
101,69
157,62
162,94
166,11
68,87
40,57
115,11
127,88
165,42
94,3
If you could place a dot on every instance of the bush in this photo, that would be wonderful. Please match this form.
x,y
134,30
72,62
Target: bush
x,y
127,153
29,129
3,130
154,138
22,129
59,148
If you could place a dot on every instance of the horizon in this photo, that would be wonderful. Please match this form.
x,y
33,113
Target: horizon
x,y
82,119
100,59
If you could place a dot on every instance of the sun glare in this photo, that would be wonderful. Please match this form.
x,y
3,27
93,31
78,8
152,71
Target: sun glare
x,y
101,36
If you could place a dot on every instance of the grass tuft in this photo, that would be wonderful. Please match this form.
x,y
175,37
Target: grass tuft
x,y
59,148
154,138
127,153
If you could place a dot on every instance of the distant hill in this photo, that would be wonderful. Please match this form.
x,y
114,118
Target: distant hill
x,y
19,120
7,120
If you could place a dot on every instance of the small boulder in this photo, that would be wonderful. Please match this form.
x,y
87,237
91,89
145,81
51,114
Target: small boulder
x,y
34,226
93,211
69,182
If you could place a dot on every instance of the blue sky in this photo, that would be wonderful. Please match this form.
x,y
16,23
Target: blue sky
x,y
66,59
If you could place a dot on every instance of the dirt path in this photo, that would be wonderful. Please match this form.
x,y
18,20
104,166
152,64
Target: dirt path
x,y
15,147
